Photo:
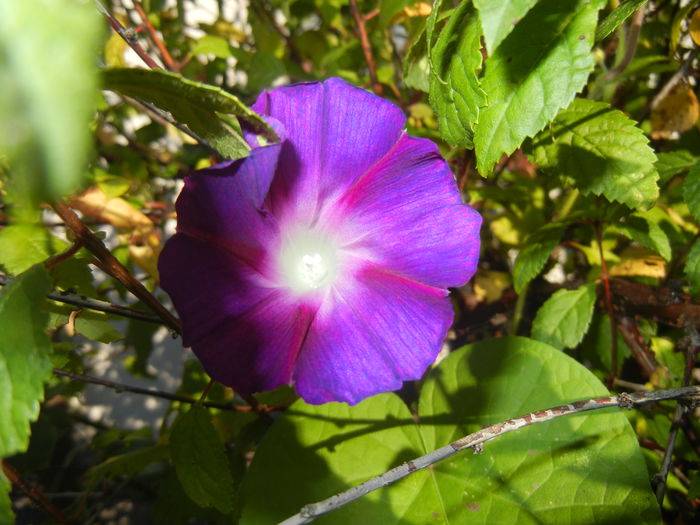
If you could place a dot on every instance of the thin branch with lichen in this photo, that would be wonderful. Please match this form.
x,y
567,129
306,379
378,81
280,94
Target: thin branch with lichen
x,y
476,440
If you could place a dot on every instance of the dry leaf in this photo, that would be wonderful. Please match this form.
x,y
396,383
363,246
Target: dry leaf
x,y
676,113
695,27
639,262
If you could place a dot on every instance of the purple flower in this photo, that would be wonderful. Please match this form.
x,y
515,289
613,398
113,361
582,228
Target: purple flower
x,y
323,260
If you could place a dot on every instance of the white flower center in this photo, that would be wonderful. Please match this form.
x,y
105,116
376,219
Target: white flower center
x,y
308,261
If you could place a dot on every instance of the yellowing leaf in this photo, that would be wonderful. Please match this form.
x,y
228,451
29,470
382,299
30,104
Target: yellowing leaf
x,y
695,27
639,262
489,285
675,113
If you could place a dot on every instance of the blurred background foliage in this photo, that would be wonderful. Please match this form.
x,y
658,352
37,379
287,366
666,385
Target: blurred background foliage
x,y
590,240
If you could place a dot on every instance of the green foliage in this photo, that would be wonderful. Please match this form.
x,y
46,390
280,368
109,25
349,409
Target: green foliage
x,y
200,460
50,153
535,254
599,150
454,87
536,71
535,475
563,319
691,190
199,106
24,363
617,17
646,232
499,18
692,268
24,245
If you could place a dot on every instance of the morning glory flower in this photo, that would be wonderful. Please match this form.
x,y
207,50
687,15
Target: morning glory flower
x,y
321,261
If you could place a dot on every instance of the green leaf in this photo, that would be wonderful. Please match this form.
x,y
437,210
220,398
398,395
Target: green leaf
x,y
96,326
599,150
499,18
24,356
539,474
455,94
563,319
24,365
24,245
200,460
617,17
692,268
44,112
536,71
535,254
214,45
672,163
127,464
647,232
198,105
691,190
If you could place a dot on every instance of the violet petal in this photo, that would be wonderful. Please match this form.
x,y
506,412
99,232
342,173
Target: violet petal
x,y
371,334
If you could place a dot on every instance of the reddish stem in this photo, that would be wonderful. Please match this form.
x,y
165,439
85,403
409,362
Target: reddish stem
x,y
164,53
366,47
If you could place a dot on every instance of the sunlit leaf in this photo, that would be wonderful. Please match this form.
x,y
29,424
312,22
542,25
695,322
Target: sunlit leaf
x,y
536,475
599,150
534,72
695,27
499,18
646,232
192,103
692,268
454,87
24,245
617,17
535,254
563,319
691,190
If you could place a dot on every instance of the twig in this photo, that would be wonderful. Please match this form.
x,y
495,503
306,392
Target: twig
x,y
627,401
630,43
679,75
366,46
660,479
120,387
609,306
129,36
164,53
111,265
93,304
34,494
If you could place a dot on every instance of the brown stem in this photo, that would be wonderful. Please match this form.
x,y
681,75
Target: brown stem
x,y
58,259
34,493
129,36
164,53
111,265
609,306
366,46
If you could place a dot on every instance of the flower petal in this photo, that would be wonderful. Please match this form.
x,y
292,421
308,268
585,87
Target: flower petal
x,y
406,215
335,133
370,335
206,285
256,351
223,205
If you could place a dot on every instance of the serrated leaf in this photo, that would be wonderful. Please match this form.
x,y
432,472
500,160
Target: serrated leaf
x,y
44,112
455,94
599,150
200,460
24,356
536,71
692,268
24,245
617,17
646,232
536,475
499,18
535,254
691,190
191,103
563,319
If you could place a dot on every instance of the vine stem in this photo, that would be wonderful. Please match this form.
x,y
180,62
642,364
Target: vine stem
x,y
111,265
164,53
366,46
129,36
476,440
34,494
